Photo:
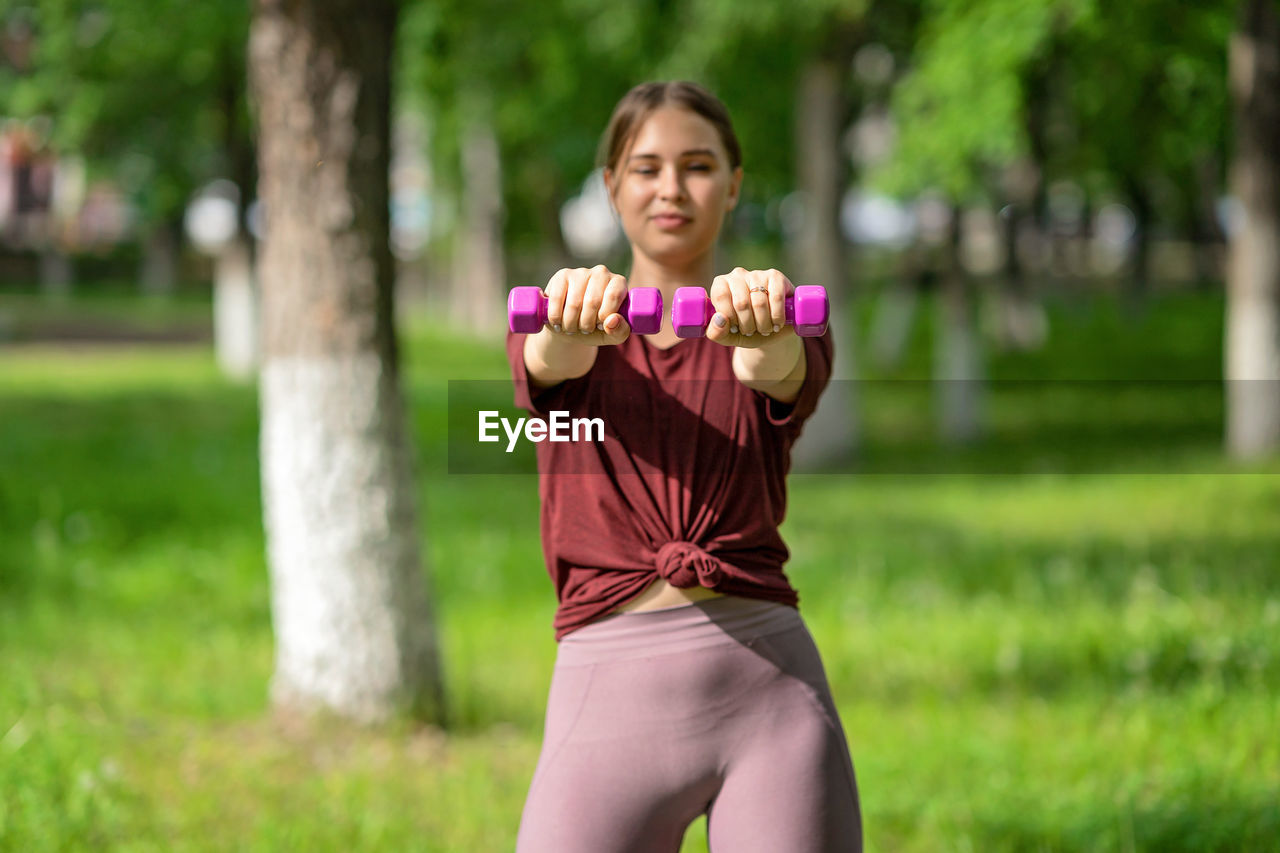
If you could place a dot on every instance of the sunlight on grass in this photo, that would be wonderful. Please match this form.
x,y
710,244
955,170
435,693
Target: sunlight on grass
x,y
1043,661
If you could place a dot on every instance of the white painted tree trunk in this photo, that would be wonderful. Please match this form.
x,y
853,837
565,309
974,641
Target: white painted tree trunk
x,y
353,624
355,631
832,433
235,311
1252,357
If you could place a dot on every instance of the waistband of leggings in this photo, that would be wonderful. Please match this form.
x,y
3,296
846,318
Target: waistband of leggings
x,y
723,620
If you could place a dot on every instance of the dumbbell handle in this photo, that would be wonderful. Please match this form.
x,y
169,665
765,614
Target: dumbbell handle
x,y
806,308
527,310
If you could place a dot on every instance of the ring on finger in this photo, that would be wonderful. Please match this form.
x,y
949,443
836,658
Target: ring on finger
x,y
759,288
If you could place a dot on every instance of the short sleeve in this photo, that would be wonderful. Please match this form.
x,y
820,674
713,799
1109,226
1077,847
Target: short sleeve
x,y
819,353
537,401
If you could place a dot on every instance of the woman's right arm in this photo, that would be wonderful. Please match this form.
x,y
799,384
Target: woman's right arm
x,y
582,314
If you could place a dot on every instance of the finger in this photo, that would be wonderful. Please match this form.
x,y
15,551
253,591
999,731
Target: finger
x,y
722,301
574,294
614,292
759,292
718,330
779,287
616,329
593,296
744,315
555,291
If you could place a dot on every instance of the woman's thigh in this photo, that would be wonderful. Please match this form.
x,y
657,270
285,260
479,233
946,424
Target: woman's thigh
x,y
743,729
789,783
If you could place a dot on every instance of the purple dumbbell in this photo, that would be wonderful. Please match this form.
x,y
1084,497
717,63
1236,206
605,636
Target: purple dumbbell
x,y
807,309
527,310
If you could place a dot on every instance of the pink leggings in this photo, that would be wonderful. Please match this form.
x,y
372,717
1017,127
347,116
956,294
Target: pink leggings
x,y
719,707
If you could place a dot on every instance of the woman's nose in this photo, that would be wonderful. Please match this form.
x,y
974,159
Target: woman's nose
x,y
669,185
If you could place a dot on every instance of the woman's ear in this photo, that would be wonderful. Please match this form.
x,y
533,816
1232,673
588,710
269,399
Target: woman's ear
x,y
735,188
608,189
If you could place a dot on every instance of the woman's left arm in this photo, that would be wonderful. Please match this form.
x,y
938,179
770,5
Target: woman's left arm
x,y
775,368
750,316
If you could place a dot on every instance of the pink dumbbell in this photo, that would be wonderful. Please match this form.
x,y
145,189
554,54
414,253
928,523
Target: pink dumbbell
x,y
807,309
527,310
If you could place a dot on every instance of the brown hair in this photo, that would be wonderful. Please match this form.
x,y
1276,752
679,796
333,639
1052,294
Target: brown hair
x,y
638,104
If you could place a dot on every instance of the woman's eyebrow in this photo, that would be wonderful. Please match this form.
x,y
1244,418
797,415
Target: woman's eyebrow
x,y
690,153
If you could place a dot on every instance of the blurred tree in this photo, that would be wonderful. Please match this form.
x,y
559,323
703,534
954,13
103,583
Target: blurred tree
x,y
1160,127
1253,282
560,66
791,66
151,92
355,629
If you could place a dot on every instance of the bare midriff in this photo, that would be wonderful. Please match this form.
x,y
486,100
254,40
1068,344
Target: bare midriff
x,y
662,594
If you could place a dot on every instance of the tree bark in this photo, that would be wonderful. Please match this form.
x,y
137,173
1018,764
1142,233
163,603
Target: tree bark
x,y
957,353
355,631
831,434
160,252
1253,279
479,276
235,310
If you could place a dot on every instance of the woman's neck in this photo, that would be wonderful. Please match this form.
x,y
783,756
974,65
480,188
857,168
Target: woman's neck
x,y
647,272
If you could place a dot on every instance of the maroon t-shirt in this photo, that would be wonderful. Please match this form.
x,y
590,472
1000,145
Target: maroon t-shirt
x,y
688,484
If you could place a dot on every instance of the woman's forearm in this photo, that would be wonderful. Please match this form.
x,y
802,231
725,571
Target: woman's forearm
x,y
776,369
550,359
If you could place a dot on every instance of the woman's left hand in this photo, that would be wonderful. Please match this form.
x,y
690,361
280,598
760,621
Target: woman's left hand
x,y
750,308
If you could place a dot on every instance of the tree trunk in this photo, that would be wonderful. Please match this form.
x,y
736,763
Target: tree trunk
x,y
831,434
957,357
1253,285
159,272
355,631
479,276
1139,282
235,310
57,275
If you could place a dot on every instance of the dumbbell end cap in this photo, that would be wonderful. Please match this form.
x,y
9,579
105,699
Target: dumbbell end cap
x,y
812,310
689,309
524,316
644,310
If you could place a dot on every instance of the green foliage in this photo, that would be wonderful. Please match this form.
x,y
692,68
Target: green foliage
x,y
1122,95
561,66
959,109
150,91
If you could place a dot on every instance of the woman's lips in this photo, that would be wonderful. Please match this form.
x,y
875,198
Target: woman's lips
x,y
670,221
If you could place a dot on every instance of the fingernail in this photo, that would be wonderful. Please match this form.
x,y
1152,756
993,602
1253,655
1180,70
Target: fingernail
x,y
719,320
556,327
585,331
749,334
600,326
777,328
733,329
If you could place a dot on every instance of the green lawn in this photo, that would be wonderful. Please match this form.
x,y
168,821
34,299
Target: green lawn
x,y
1028,654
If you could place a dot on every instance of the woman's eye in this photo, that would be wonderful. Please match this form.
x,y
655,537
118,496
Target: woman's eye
x,y
700,167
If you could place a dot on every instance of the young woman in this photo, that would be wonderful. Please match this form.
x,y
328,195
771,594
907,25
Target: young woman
x,y
685,682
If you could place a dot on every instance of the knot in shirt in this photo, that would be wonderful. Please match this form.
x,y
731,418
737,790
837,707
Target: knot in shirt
x,y
685,565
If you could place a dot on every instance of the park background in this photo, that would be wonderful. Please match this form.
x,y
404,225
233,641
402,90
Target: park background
x,y
1034,525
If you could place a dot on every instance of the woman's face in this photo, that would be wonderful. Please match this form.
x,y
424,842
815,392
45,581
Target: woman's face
x,y
673,186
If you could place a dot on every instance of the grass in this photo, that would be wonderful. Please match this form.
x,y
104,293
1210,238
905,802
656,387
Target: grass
x,y
1057,659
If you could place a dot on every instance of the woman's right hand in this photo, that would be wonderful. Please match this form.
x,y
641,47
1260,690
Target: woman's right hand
x,y
582,306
